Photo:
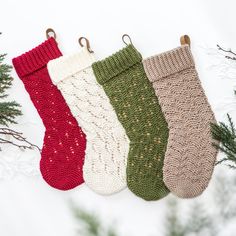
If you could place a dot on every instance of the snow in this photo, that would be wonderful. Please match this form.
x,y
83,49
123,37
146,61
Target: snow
x,y
28,206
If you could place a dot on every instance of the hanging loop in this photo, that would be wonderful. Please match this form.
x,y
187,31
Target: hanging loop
x,y
185,39
128,37
87,44
50,33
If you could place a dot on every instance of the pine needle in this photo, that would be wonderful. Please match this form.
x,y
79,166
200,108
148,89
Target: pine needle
x,y
8,110
90,224
225,135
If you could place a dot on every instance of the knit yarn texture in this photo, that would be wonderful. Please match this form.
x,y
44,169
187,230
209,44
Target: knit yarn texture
x,y
107,147
124,80
190,156
64,142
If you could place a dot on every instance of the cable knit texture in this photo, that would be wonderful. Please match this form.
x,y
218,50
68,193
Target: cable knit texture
x,y
64,142
133,98
107,147
190,156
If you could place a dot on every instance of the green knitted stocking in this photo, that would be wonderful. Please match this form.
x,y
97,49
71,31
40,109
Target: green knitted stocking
x,y
133,98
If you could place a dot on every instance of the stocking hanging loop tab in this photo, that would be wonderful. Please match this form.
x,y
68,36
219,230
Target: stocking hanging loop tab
x,y
185,39
87,44
128,37
50,33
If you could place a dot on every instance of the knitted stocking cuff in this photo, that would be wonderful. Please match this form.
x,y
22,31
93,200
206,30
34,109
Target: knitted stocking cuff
x,y
168,63
66,66
36,58
122,60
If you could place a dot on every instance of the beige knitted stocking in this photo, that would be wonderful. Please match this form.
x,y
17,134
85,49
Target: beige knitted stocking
x,y
190,156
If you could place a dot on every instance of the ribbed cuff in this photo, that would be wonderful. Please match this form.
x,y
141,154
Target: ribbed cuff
x,y
116,63
36,58
168,63
65,66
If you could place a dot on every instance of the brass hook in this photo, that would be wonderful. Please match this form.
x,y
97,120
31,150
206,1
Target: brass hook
x,y
185,39
87,44
123,39
50,31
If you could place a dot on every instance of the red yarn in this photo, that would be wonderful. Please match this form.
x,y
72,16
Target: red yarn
x,y
64,142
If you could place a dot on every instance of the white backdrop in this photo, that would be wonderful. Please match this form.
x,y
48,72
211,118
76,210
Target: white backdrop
x,y
28,206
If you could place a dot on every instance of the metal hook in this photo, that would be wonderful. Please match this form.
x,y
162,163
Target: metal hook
x,y
185,39
50,31
123,39
87,44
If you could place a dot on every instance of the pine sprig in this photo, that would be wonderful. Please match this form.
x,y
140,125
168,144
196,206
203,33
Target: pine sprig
x,y
226,137
90,224
5,78
8,110
224,134
174,227
199,220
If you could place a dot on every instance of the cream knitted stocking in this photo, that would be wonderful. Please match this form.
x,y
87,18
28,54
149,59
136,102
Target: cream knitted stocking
x,y
190,157
107,146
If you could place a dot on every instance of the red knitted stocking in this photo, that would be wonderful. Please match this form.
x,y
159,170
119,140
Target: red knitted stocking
x,y
64,142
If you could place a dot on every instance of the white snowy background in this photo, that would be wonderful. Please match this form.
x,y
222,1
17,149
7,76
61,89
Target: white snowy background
x,y
28,206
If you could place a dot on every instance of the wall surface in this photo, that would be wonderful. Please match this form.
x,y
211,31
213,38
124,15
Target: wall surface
x,y
28,206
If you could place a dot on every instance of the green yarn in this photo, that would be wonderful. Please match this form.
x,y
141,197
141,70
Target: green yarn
x,y
124,80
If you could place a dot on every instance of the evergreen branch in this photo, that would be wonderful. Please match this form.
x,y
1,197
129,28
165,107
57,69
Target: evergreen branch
x,y
224,198
231,125
230,155
5,78
111,232
199,221
172,223
90,224
226,136
8,112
